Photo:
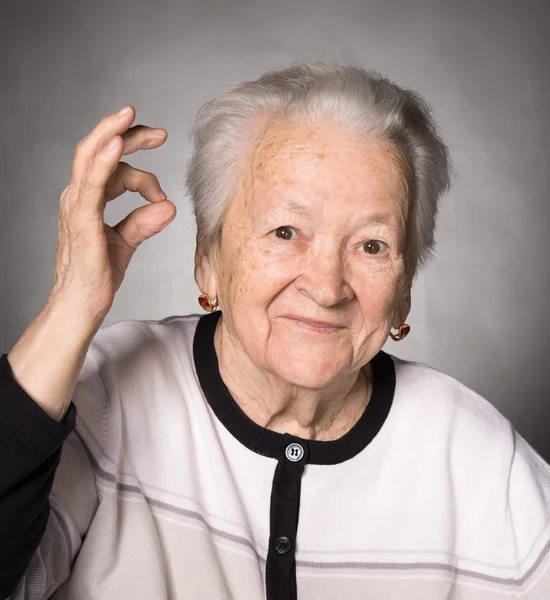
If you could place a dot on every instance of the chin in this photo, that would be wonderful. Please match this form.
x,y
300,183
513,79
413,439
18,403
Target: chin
x,y
306,371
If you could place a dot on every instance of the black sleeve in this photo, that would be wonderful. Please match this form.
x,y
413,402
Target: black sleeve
x,y
30,449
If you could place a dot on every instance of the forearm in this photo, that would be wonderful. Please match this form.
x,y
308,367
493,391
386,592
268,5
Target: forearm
x,y
46,361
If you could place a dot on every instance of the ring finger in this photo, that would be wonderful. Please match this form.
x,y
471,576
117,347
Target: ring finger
x,y
128,178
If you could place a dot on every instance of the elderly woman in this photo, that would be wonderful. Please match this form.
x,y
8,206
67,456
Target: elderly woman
x,y
270,448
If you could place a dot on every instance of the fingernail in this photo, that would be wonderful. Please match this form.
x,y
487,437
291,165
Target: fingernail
x,y
163,195
124,110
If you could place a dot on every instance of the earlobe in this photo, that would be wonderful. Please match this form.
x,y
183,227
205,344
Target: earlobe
x,y
205,272
403,309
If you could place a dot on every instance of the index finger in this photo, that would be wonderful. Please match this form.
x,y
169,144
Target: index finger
x,y
87,149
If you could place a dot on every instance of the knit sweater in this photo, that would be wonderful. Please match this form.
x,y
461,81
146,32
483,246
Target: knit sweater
x,y
156,485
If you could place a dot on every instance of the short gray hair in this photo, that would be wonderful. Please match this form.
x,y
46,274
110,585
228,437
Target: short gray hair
x,y
363,100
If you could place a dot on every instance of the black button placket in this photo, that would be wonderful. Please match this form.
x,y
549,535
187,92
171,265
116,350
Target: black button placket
x,y
287,449
284,511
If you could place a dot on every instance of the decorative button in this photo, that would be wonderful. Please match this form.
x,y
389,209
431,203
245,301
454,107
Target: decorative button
x,y
282,544
294,452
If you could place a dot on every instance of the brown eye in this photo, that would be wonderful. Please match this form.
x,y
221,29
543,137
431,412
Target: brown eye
x,y
284,233
372,247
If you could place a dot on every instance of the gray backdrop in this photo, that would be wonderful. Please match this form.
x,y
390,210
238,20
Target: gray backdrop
x,y
479,310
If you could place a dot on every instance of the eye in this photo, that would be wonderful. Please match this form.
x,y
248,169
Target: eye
x,y
285,232
373,246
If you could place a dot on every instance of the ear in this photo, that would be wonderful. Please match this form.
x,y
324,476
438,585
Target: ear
x,y
403,308
205,270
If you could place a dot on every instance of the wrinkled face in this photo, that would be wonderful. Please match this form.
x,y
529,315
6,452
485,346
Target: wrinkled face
x,y
310,270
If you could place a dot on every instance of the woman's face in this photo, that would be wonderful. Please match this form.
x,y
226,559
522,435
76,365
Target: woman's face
x,y
309,272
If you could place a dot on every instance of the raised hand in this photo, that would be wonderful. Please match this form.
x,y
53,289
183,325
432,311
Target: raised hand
x,y
92,257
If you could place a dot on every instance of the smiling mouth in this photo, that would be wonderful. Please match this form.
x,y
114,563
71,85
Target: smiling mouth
x,y
313,325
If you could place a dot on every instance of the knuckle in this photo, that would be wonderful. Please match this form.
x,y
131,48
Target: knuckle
x,y
142,180
78,148
123,166
138,128
104,156
88,183
65,200
70,219
127,175
151,179
106,120
90,187
149,141
130,179
81,150
82,143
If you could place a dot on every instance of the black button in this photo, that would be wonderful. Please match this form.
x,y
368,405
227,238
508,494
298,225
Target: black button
x,y
282,544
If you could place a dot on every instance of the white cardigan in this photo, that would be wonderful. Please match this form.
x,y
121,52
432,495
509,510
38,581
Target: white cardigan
x,y
165,489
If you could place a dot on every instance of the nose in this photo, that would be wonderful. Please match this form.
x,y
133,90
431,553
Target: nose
x,y
323,279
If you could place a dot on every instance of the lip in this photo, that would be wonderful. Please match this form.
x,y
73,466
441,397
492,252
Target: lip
x,y
314,324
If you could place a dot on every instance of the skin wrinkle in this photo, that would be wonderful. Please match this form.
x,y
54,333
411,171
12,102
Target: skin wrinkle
x,y
320,179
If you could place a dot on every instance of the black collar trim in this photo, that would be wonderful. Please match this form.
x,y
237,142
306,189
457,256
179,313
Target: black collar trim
x,y
271,443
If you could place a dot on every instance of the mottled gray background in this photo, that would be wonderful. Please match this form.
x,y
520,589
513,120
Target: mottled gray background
x,y
479,310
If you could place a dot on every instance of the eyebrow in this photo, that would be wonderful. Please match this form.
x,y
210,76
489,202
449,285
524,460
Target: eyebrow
x,y
304,211
296,207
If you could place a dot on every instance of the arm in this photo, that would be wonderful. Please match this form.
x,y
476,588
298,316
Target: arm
x,y
46,363
29,458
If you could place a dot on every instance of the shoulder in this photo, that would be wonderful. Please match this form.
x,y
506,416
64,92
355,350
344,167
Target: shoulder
x,y
439,396
497,476
129,341
135,350
130,362
458,422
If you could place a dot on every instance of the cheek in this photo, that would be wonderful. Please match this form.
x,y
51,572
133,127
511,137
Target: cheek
x,y
236,264
377,294
255,277
238,278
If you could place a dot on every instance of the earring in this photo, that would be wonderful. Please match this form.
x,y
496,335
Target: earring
x,y
207,303
402,332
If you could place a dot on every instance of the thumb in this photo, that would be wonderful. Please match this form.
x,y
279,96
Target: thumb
x,y
146,221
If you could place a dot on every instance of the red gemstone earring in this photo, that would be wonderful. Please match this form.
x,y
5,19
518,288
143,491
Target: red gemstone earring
x,y
402,332
207,303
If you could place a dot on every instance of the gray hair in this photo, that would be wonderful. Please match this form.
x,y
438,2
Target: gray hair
x,y
363,100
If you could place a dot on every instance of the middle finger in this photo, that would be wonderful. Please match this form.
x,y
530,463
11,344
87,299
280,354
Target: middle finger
x,y
142,137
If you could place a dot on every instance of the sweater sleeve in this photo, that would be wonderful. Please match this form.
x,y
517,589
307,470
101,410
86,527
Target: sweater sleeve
x,y
36,549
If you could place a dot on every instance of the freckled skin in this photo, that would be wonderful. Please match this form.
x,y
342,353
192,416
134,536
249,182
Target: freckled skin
x,y
287,378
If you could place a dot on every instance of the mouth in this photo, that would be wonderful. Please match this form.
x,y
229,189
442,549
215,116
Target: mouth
x,y
313,324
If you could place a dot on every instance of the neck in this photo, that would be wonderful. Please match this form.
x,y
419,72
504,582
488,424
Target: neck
x,y
316,414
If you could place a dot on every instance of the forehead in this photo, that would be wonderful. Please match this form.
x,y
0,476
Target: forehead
x,y
325,156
